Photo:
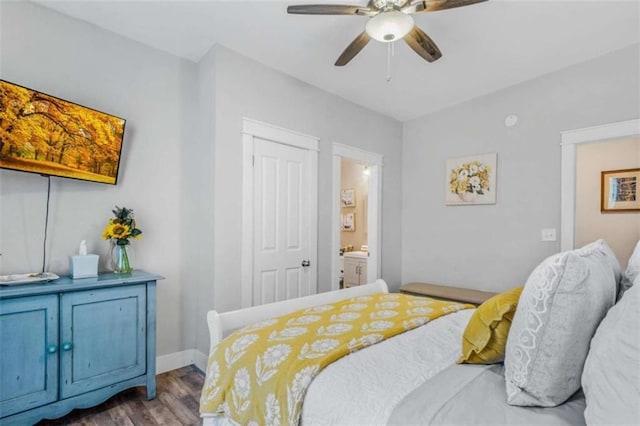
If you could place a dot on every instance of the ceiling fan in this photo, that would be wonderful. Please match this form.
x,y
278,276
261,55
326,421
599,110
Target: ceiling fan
x,y
390,20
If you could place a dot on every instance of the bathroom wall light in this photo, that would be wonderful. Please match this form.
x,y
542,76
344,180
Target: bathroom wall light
x,y
366,171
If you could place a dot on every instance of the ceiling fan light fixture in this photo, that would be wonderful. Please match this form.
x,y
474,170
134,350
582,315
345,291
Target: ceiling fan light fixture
x,y
389,26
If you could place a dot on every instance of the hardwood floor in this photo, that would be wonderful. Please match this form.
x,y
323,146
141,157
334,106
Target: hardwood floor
x,y
176,403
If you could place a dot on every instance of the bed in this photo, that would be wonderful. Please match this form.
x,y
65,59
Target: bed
x,y
356,389
413,377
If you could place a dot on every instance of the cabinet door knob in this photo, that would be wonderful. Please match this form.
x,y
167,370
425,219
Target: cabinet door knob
x,y
67,346
52,349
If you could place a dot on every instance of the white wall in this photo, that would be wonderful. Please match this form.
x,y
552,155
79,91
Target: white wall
x,y
621,230
495,247
64,57
245,88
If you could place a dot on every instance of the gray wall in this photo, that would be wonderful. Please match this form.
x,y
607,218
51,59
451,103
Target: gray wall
x,y
246,88
181,162
181,167
495,247
198,195
64,57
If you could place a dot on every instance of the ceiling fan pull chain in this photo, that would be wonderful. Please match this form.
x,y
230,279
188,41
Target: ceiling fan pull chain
x,y
389,55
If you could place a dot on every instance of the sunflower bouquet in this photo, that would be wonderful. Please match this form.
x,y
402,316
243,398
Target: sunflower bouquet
x,y
122,228
472,177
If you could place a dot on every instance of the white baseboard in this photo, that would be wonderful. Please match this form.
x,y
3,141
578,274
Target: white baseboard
x,y
200,360
181,359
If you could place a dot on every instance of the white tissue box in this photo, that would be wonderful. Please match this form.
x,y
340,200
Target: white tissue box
x,y
84,266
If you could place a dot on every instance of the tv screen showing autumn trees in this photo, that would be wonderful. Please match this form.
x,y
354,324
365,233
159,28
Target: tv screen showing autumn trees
x,y
43,134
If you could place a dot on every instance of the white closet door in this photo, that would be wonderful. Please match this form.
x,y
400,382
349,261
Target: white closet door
x,y
281,212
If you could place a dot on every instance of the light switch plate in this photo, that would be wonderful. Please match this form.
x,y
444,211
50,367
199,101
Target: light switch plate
x,y
548,234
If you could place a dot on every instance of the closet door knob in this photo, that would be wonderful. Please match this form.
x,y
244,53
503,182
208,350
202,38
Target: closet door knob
x,y
306,263
52,349
67,346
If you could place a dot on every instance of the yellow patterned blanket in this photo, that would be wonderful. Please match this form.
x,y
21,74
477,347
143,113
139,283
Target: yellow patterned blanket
x,y
260,374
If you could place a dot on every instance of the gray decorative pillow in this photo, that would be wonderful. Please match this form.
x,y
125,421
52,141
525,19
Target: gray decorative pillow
x,y
604,248
633,271
611,377
562,304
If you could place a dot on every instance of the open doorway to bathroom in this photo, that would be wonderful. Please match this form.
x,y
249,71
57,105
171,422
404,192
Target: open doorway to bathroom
x,y
354,195
356,216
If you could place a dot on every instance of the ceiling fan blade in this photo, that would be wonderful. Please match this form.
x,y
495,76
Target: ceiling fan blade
x,y
328,9
353,49
422,44
435,5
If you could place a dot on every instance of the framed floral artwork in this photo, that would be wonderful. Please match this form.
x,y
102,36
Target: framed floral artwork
x,y
619,190
348,197
471,180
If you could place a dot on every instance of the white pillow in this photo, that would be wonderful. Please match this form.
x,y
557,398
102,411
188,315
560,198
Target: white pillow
x,y
560,307
633,271
611,377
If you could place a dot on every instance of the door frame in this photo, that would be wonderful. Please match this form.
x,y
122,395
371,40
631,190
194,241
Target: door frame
x,y
374,210
252,129
570,140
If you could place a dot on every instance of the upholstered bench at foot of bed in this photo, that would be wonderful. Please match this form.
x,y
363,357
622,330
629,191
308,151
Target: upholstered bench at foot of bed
x,y
441,292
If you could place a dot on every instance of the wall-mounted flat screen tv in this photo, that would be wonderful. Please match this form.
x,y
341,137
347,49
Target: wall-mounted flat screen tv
x,y
50,136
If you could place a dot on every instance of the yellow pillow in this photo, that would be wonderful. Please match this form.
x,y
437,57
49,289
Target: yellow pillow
x,y
485,338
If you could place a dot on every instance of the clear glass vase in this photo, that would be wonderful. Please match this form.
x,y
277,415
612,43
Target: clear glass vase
x,y
120,262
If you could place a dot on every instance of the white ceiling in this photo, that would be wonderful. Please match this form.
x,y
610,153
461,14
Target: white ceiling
x,y
486,47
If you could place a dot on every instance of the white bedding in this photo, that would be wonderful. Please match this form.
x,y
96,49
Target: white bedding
x,y
365,386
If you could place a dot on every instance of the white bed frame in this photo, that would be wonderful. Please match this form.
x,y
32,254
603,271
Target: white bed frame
x,y
222,324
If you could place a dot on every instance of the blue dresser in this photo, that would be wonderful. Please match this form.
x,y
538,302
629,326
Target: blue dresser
x,y
74,343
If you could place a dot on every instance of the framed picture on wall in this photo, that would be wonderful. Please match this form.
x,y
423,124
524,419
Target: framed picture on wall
x,y
471,180
619,190
348,197
348,222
